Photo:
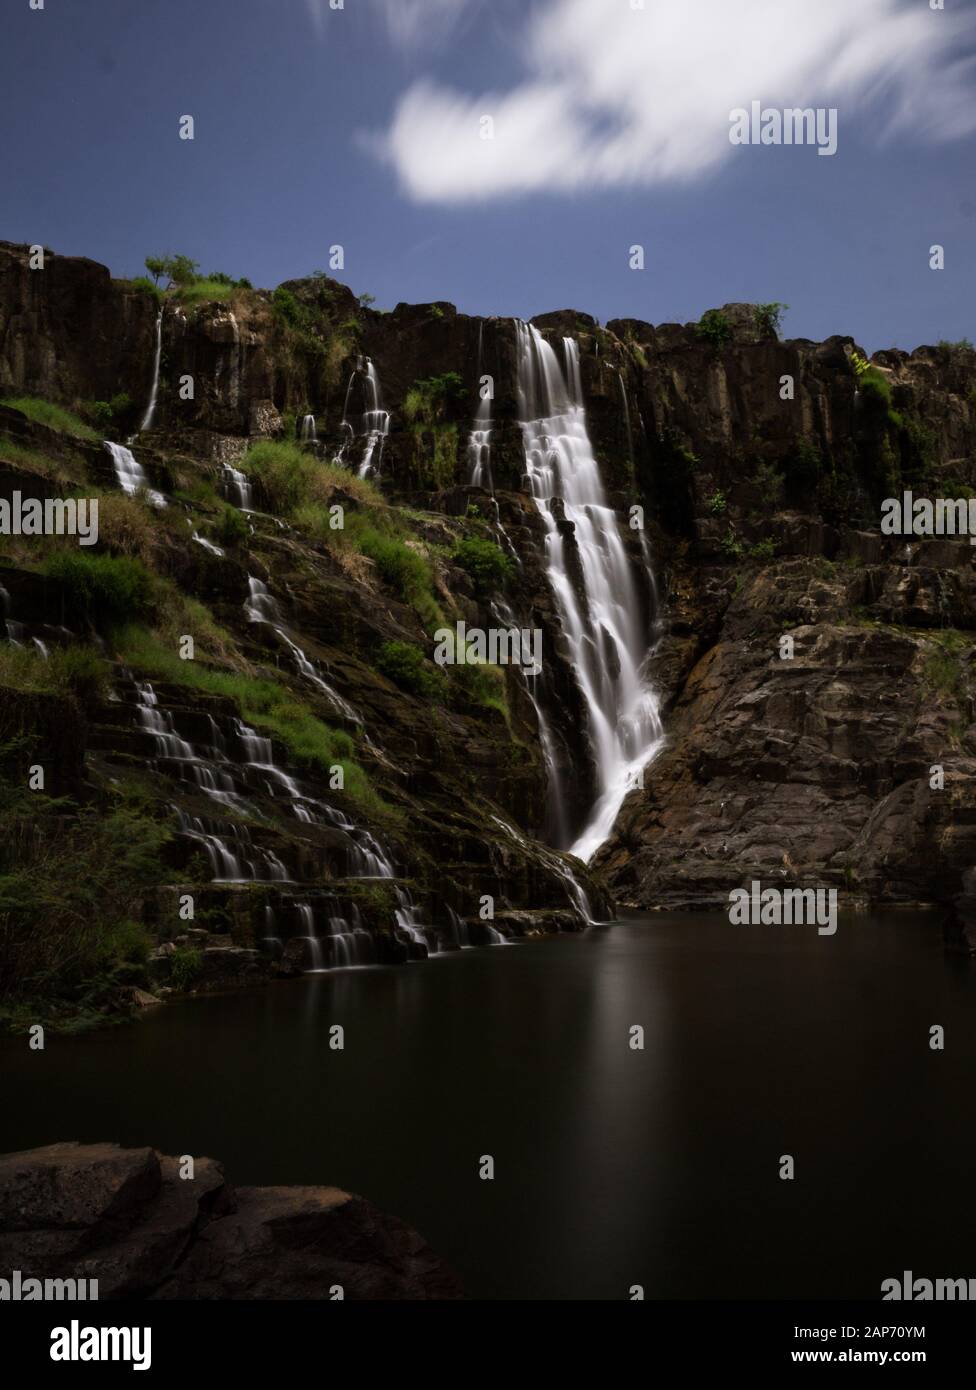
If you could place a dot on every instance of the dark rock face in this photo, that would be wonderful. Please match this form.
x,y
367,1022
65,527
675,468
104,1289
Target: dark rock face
x,y
128,1219
69,330
759,467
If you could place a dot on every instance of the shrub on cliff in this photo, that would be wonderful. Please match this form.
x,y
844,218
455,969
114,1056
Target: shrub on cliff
x,y
715,328
486,563
407,667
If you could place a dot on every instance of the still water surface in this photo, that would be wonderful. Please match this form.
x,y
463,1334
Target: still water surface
x,y
613,1167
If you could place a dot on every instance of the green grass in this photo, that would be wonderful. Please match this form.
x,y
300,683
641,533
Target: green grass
x,y
76,669
201,291
71,468
107,589
55,416
270,707
286,473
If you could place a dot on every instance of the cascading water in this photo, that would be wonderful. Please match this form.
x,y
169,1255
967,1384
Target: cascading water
x,y
479,440
307,433
376,424
236,488
130,474
261,607
601,623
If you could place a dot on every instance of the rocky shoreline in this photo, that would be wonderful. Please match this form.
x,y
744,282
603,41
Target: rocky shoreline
x,y
145,1225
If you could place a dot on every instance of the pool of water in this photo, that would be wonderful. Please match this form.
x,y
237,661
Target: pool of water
x,y
613,1166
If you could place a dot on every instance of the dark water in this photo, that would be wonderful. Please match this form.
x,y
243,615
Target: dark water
x,y
613,1167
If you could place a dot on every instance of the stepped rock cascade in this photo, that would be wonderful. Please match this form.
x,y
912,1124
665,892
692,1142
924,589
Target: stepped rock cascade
x,y
236,488
261,607
150,411
130,474
601,621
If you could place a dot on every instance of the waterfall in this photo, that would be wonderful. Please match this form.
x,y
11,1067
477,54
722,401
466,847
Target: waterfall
x,y
207,545
236,487
130,474
375,421
376,424
307,432
14,630
307,920
575,891
147,418
556,827
261,607
601,622
479,440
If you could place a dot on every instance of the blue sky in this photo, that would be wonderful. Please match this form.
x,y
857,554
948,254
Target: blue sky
x,y
359,126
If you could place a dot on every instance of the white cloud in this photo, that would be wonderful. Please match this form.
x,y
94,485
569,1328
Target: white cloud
x,y
618,97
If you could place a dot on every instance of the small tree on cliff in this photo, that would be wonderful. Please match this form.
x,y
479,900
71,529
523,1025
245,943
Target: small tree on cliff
x,y
179,270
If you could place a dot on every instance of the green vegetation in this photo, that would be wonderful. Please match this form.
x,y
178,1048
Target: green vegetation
x,y
70,468
69,880
732,546
763,551
76,670
408,668
268,705
769,481
185,965
54,416
717,503
199,291
106,415
404,569
486,563
768,318
147,286
286,473
425,407
232,529
946,669
715,328
104,589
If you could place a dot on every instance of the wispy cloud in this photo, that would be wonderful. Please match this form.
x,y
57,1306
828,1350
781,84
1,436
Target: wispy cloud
x,y
409,22
618,97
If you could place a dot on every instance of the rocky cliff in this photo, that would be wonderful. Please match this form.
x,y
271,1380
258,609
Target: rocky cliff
x,y
751,471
